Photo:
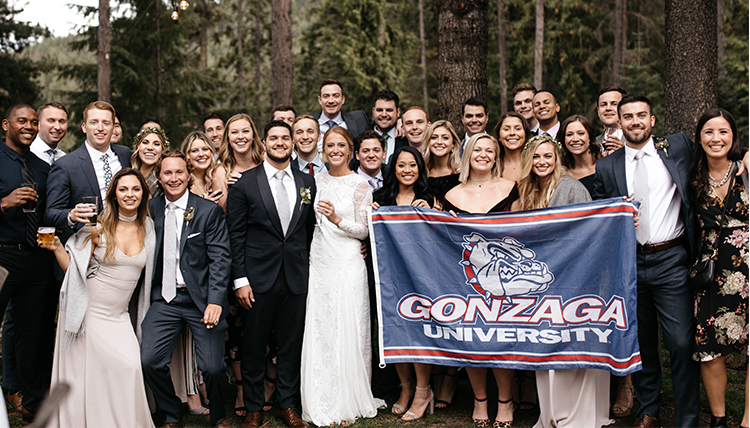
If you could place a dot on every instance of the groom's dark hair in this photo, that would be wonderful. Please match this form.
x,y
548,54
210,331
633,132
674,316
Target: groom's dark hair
x,y
274,124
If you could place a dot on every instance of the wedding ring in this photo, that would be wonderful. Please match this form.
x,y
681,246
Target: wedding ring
x,y
215,322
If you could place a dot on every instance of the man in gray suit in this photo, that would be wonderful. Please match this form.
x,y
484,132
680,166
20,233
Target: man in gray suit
x,y
190,283
331,98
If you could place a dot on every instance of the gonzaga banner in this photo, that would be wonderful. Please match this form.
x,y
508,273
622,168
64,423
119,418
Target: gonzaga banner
x,y
544,289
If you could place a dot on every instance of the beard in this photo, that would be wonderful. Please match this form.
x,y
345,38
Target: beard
x,y
279,159
634,140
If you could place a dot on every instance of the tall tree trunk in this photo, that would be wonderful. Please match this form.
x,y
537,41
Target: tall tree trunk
x,y
619,48
258,43
158,61
721,48
462,64
539,44
240,58
281,52
423,57
103,65
690,70
203,36
501,53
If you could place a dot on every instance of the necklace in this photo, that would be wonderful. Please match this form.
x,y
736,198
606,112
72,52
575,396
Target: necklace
x,y
479,181
718,183
123,217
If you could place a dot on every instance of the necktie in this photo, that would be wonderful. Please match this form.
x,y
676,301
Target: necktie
x,y
169,275
107,171
386,138
27,175
331,124
282,201
640,186
51,153
311,167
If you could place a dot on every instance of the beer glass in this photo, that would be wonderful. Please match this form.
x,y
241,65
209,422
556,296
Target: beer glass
x,y
46,234
93,202
29,206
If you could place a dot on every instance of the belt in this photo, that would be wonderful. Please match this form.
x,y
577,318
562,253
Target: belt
x,y
21,247
661,246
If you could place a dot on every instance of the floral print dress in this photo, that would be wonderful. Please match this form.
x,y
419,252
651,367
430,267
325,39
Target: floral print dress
x,y
721,310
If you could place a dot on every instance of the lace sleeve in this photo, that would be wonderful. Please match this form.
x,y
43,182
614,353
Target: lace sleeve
x,y
362,199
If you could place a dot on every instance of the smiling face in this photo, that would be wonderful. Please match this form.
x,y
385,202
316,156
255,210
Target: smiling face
x,y
385,114
200,155
20,129
331,99
370,156
240,136
441,142
522,104
474,119
607,108
98,128
149,149
717,138
636,122
174,178
53,124
306,137
512,134
543,162
545,107
483,156
336,150
129,194
577,140
116,132
214,128
278,145
407,171
284,116
415,125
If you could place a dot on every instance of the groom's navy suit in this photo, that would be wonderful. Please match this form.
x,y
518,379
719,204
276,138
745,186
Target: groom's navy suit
x,y
204,264
277,268
663,295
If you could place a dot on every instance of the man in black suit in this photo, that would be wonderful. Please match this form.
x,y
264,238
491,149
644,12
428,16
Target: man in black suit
x,y
86,171
385,114
331,98
654,170
189,288
271,220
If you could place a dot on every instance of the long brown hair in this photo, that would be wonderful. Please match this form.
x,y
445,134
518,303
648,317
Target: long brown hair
x,y
568,160
187,145
454,157
226,153
110,216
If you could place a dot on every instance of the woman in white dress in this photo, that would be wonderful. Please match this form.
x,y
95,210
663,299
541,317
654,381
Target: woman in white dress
x,y
336,354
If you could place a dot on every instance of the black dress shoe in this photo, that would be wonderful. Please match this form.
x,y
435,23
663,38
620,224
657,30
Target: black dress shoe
x,y
718,422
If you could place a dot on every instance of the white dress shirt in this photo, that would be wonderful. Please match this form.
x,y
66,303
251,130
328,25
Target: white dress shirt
x,y
552,132
179,216
375,182
664,199
323,123
318,165
291,190
390,142
96,159
45,152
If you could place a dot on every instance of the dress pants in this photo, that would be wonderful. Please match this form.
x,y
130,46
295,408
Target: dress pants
x,y
34,299
665,299
161,331
280,310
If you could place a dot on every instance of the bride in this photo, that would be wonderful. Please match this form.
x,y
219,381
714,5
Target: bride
x,y
96,350
336,354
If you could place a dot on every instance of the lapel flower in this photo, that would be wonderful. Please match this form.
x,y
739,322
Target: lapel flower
x,y
662,144
304,194
188,215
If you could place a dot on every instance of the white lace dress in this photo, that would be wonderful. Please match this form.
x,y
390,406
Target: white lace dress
x,y
336,354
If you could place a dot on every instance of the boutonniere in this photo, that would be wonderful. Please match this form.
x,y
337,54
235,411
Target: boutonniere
x,y
304,194
662,144
189,213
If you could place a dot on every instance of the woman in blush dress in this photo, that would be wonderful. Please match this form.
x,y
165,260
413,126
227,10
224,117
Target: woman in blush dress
x,y
96,349
405,184
721,309
512,132
148,146
336,350
571,397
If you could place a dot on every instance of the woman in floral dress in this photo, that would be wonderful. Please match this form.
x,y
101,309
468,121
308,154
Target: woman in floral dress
x,y
721,310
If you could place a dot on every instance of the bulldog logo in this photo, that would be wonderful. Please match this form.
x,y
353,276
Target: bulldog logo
x,y
503,268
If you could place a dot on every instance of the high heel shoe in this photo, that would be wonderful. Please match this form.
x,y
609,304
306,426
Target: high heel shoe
x,y
411,416
718,422
398,409
620,410
444,404
480,423
504,424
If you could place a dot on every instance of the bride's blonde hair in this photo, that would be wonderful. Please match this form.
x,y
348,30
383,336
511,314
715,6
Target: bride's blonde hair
x,y
532,193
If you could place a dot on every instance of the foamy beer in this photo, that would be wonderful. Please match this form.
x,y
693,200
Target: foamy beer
x,y
93,202
46,234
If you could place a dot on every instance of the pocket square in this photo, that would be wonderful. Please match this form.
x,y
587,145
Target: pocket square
x,y
193,235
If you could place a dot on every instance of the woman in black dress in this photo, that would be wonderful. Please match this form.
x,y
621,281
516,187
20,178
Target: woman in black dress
x,y
721,310
579,149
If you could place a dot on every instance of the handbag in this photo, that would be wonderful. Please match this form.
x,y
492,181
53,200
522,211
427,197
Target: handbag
x,y
702,272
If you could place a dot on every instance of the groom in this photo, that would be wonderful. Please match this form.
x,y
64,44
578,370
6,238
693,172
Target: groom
x,y
189,288
271,220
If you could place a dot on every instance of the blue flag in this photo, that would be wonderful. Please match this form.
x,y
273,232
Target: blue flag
x,y
544,289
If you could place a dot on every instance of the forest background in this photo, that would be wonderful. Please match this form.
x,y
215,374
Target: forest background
x,y
217,57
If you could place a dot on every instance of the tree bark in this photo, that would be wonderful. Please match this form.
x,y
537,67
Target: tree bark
x,y
721,48
690,70
423,57
203,36
619,48
501,53
462,63
258,43
104,70
158,61
240,58
539,44
281,52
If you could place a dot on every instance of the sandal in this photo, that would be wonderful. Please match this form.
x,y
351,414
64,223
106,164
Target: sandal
x,y
444,404
268,405
620,409
200,411
504,424
398,409
529,386
411,416
481,423
240,411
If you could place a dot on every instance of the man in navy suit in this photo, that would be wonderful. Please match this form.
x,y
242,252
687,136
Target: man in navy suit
x,y
331,98
189,288
85,172
271,221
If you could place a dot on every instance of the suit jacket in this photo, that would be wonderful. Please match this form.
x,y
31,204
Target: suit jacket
x,y
356,121
295,165
610,180
204,252
259,248
71,178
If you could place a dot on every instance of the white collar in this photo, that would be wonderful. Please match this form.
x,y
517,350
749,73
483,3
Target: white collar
x,y
648,149
96,155
323,119
271,170
391,132
181,203
316,161
379,175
